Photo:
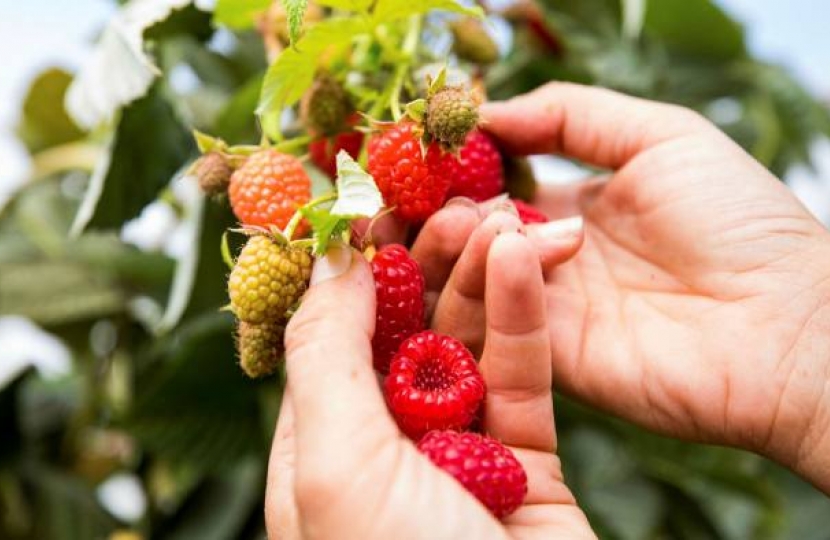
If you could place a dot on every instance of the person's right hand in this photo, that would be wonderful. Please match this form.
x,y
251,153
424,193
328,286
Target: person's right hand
x,y
699,305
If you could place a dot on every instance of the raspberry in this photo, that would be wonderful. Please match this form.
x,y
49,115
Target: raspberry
x,y
472,43
484,466
416,185
529,214
479,175
260,347
267,189
214,173
399,286
325,107
433,383
324,151
267,280
451,114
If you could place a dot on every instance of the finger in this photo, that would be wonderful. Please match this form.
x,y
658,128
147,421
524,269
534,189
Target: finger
x,y
281,518
591,124
380,231
556,241
516,360
460,309
441,242
329,357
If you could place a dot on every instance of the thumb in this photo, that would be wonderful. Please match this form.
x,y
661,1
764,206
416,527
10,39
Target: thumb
x,y
329,353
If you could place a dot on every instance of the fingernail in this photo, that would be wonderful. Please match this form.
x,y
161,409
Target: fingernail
x,y
506,206
561,228
334,263
463,202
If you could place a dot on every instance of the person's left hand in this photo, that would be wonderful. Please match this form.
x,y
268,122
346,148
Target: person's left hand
x,y
340,468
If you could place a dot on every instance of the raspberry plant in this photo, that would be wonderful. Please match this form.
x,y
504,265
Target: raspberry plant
x,y
154,389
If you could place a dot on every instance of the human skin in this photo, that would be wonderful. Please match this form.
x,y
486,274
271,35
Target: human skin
x,y
698,305
340,468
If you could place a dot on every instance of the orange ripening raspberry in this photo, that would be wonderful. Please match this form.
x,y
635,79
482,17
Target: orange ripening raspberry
x,y
268,189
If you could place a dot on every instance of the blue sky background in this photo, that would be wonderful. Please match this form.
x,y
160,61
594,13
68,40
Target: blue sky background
x,y
35,34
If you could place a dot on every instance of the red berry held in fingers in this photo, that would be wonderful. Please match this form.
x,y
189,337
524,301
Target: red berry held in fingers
x,y
399,286
480,175
484,466
268,188
529,214
433,383
414,184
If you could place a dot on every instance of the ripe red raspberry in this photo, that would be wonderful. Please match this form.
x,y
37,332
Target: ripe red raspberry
x,y
433,383
529,214
399,286
480,176
268,188
324,151
414,184
484,466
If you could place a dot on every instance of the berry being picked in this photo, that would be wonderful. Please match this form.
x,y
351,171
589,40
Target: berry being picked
x,y
260,347
268,188
433,383
451,114
325,108
529,214
414,184
399,288
268,278
480,176
472,43
484,466
324,151
214,173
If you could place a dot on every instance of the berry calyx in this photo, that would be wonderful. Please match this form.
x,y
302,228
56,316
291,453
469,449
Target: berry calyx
x,y
483,465
269,278
268,188
529,214
433,383
399,289
415,183
260,347
451,114
480,175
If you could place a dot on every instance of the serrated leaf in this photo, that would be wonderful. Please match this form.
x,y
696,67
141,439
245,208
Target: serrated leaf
x,y
390,10
239,14
324,226
357,193
118,71
295,10
293,71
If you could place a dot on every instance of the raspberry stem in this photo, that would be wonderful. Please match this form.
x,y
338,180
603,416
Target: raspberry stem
x,y
410,44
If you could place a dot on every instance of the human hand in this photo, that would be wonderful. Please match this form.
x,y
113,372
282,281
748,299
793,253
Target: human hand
x,y
699,305
339,466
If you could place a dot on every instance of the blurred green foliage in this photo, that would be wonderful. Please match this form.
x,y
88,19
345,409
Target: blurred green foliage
x,y
173,408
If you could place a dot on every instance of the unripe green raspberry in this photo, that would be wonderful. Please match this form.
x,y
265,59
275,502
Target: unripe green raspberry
x,y
451,114
214,173
325,107
267,280
472,42
260,348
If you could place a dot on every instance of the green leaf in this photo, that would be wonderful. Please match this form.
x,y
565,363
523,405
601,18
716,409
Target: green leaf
x,y
357,193
239,14
44,122
293,72
295,9
391,10
682,24
149,148
348,5
324,226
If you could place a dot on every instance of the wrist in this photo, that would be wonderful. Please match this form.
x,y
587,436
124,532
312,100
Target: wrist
x,y
800,434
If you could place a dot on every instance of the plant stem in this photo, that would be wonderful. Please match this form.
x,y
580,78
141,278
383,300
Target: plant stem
x,y
410,44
